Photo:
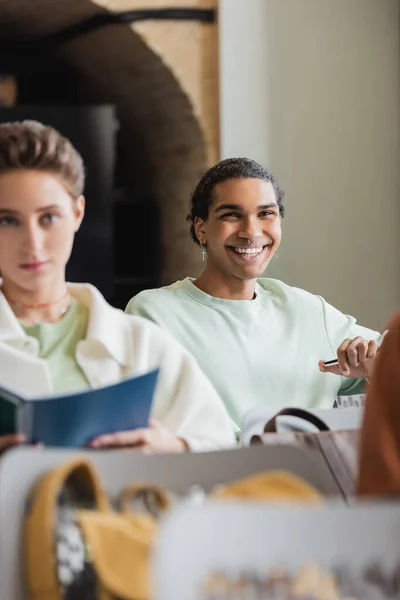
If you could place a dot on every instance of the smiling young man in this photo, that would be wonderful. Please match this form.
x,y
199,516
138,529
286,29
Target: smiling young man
x,y
260,341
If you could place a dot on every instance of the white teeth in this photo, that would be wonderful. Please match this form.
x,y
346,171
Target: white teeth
x,y
251,251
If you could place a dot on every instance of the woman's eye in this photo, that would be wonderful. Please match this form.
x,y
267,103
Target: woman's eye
x,y
7,221
50,218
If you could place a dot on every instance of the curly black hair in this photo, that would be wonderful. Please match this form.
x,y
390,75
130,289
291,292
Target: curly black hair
x,y
230,168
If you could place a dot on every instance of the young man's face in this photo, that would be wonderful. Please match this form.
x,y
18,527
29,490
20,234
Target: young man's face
x,y
243,228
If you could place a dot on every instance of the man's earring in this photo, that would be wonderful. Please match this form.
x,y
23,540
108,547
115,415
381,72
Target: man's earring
x,y
203,251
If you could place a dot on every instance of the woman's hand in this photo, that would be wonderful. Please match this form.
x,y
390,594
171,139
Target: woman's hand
x,y
7,441
156,438
355,358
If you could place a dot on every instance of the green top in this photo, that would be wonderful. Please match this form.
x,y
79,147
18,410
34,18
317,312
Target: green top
x,y
258,352
57,343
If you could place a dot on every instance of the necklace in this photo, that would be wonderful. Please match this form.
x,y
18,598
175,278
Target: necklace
x,y
37,305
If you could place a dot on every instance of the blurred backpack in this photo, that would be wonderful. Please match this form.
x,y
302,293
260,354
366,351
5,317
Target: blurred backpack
x,y
77,547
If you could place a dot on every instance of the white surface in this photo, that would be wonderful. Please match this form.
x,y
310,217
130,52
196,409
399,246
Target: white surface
x,y
256,537
311,89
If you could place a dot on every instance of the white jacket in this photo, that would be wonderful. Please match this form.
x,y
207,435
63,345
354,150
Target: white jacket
x,y
119,345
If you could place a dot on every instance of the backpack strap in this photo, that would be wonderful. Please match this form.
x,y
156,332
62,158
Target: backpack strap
x,y
39,530
153,498
272,425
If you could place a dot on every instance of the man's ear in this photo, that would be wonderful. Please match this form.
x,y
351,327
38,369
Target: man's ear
x,y
199,228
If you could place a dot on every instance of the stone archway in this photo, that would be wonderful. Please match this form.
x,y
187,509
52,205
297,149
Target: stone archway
x,y
161,142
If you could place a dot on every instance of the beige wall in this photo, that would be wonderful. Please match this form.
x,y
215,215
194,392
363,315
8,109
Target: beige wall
x,y
311,89
190,50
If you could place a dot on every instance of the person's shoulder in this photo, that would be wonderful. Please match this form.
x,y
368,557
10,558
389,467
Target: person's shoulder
x,y
150,334
89,299
278,288
174,289
156,296
142,325
130,331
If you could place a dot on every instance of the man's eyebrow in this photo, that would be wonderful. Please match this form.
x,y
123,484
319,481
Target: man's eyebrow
x,y
238,207
228,207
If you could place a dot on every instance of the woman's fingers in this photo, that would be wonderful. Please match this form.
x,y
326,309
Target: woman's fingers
x,y
121,438
14,439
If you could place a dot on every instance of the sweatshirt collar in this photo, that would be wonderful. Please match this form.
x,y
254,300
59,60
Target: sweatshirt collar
x,y
233,305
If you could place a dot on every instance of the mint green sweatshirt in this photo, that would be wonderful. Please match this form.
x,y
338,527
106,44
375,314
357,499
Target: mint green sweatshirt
x,y
57,346
258,352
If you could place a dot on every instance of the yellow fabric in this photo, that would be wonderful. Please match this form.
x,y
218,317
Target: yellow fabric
x,y
120,552
274,485
120,543
39,529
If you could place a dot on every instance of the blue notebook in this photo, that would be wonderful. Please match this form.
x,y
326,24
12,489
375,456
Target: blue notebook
x,y
73,420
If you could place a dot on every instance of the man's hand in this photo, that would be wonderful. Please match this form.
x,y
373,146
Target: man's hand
x,y
355,357
156,438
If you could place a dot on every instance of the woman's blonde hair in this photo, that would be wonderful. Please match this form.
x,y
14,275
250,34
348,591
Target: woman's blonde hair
x,y
34,146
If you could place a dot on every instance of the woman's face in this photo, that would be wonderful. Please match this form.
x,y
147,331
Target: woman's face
x,y
38,221
243,210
